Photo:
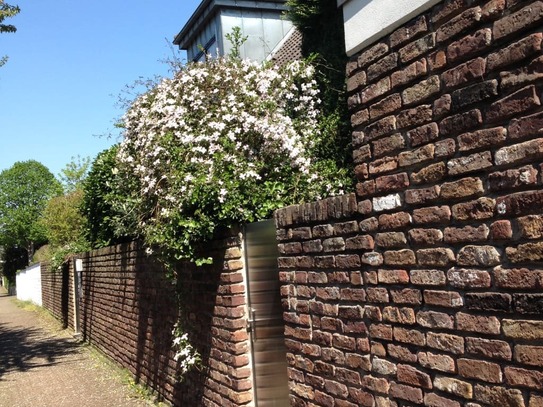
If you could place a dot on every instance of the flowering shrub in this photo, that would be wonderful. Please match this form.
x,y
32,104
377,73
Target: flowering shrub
x,y
221,143
185,355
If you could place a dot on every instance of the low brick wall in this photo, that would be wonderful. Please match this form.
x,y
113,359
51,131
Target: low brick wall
x,y
425,287
57,293
129,308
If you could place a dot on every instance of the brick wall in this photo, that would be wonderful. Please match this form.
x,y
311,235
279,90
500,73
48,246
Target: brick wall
x,y
57,293
128,309
425,287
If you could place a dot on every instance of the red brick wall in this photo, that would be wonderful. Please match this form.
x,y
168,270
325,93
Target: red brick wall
x,y
57,293
425,287
128,309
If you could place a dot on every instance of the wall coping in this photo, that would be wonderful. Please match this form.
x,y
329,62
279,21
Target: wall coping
x,y
368,20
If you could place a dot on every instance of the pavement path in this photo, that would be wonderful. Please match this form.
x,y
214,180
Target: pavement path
x,y
43,366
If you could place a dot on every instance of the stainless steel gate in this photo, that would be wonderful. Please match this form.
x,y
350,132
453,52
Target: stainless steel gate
x,y
266,324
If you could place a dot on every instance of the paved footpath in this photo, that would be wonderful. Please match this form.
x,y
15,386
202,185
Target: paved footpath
x,y
43,366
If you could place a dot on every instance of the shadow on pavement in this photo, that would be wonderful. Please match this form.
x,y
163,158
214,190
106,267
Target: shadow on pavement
x,y
22,349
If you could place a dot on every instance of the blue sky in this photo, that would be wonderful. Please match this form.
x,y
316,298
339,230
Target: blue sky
x,y
68,62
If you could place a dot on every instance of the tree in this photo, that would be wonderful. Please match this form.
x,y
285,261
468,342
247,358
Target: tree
x,y
73,175
25,189
7,11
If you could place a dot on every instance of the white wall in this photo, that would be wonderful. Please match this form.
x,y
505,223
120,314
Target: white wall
x,y
28,284
368,20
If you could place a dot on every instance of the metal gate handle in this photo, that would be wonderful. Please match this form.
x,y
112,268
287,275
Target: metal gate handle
x,y
251,325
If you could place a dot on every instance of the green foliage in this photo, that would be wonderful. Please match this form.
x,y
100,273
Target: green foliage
x,y
237,40
25,189
14,258
73,175
106,206
321,25
7,11
222,143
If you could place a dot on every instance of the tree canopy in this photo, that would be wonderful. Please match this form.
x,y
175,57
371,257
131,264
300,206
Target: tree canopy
x,y
7,11
25,189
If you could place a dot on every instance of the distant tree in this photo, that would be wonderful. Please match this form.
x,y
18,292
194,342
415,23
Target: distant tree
x,y
73,175
13,258
25,189
7,11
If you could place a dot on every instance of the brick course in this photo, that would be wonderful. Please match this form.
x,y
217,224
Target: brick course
x,y
447,259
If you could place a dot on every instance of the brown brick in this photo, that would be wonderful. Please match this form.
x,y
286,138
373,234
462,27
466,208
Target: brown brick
x,y
458,24
421,91
527,252
442,363
457,387
493,9
381,67
522,278
468,278
529,355
519,21
375,90
362,242
447,10
386,164
429,174
528,151
471,163
510,179
463,188
466,234
417,48
480,370
523,329
528,303
410,375
381,127
361,398
517,103
433,400
471,94
460,123
524,378
529,126
381,331
434,214
423,134
428,277
413,71
421,196
361,117
417,156
408,31
482,139
435,257
425,237
386,106
476,323
448,299
411,336
394,221
442,106
501,230
531,226
467,72
378,295
372,54
487,348
356,81
432,319
404,316
391,183
515,52
399,257
445,342
445,148
406,296
401,353
523,76
498,396
521,203
484,256
470,45
390,239
393,276
482,208
414,116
